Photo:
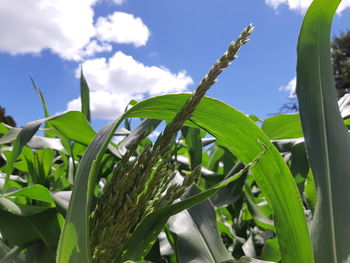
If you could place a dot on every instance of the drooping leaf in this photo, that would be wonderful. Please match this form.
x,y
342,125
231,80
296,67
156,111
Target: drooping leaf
x,y
283,126
327,139
74,126
21,210
10,135
35,192
271,174
39,142
145,128
62,198
197,237
20,230
232,192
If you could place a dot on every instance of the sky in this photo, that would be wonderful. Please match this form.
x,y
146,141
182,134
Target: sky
x,y
133,49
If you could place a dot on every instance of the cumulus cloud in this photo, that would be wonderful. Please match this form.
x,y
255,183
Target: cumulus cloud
x,y
95,47
115,81
118,2
302,5
32,26
122,28
291,88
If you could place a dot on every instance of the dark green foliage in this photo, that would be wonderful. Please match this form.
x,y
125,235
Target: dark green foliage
x,y
6,118
248,204
341,62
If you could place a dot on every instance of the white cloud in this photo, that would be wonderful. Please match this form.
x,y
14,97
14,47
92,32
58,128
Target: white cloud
x,y
114,82
31,26
94,47
122,28
122,73
302,5
118,2
291,88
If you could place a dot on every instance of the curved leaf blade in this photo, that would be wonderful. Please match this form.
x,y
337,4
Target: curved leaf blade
x,y
326,138
283,126
271,174
197,236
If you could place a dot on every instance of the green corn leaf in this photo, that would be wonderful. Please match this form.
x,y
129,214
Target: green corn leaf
x,y
44,105
10,135
85,96
74,126
74,245
21,230
271,174
22,139
71,124
215,158
283,126
145,128
260,219
35,192
36,142
3,128
197,237
42,99
310,191
232,192
271,251
21,210
39,142
193,142
327,139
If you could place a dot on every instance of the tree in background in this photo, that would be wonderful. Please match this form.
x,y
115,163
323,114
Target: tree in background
x,y
341,62
6,119
340,51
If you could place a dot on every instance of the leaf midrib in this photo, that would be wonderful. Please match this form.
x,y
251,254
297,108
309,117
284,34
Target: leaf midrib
x,y
325,136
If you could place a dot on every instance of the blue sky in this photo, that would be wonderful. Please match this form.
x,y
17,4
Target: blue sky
x,y
134,49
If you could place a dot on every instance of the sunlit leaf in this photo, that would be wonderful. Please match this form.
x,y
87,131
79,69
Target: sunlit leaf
x,y
326,137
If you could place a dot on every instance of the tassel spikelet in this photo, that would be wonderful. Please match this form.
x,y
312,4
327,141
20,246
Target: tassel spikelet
x,y
142,184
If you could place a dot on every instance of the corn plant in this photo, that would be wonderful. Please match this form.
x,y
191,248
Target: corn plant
x,y
213,187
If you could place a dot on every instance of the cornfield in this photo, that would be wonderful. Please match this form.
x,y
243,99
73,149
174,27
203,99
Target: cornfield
x,y
215,186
